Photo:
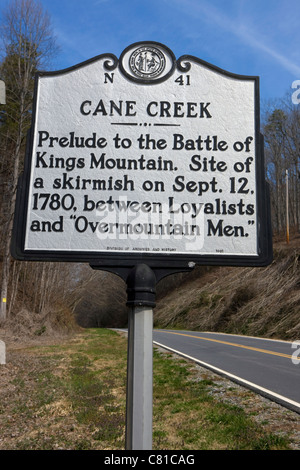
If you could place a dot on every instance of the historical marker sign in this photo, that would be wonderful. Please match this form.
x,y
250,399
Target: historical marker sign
x,y
144,159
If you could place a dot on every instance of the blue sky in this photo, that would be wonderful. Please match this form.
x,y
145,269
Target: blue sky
x,y
250,37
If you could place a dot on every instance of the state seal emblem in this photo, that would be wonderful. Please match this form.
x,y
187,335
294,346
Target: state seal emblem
x,y
147,62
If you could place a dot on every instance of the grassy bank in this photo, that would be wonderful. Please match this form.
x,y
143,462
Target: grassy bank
x,y
240,300
72,395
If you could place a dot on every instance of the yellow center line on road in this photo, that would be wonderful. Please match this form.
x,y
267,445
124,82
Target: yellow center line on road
x,y
266,351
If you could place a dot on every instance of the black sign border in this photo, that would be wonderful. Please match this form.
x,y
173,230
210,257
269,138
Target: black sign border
x,y
120,260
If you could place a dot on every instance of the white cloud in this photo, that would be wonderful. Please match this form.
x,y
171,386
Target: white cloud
x,y
251,37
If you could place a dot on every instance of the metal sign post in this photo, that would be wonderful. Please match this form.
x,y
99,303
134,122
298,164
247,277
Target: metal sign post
x,y
141,300
2,92
141,283
139,379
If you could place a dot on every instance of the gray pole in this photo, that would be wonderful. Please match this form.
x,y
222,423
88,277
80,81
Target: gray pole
x,y
2,92
141,296
139,381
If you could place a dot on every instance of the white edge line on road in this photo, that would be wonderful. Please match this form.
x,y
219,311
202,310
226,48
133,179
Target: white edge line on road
x,y
295,406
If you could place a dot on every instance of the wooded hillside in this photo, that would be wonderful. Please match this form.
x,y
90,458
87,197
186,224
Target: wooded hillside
x,y
252,301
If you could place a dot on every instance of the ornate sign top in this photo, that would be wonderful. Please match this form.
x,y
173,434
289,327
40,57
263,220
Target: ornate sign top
x,y
144,158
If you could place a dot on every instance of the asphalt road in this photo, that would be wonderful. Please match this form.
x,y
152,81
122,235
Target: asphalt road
x,y
272,368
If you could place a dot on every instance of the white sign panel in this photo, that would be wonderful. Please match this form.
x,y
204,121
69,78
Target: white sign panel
x,y
144,156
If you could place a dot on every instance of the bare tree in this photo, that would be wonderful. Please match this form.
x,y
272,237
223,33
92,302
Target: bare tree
x,y
28,44
282,138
